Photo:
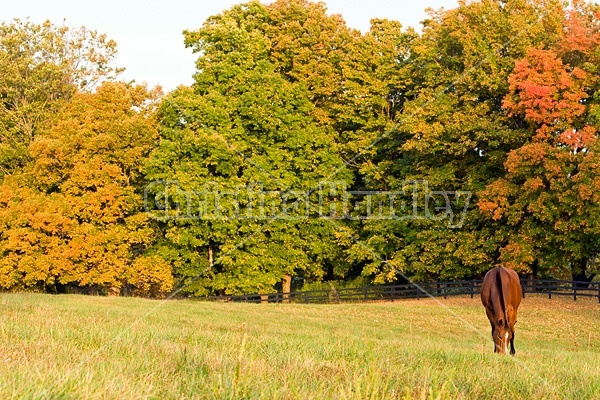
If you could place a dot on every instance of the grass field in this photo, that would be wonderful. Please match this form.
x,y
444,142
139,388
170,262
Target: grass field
x,y
76,347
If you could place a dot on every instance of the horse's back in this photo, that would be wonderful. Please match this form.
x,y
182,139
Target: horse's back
x,y
510,286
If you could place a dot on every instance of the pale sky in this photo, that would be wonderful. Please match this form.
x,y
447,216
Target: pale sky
x,y
148,32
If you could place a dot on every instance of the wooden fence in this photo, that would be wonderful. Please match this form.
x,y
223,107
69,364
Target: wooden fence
x,y
416,291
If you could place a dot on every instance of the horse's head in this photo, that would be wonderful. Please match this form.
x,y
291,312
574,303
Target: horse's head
x,y
502,334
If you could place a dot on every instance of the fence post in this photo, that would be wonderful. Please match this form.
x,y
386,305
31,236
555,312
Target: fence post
x,y
472,287
574,292
445,286
366,293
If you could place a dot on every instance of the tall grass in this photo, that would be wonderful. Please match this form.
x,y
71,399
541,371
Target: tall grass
x,y
76,347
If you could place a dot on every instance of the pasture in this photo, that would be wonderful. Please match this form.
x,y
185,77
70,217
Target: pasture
x,y
77,347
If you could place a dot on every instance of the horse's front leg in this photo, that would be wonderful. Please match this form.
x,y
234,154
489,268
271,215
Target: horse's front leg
x,y
512,345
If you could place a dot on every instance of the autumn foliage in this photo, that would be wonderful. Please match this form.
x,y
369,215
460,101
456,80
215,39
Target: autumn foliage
x,y
497,98
74,215
549,196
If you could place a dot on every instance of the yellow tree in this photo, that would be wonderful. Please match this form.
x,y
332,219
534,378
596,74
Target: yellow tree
x,y
42,65
74,216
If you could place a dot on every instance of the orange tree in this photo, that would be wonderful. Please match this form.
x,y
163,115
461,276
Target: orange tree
x,y
452,131
546,204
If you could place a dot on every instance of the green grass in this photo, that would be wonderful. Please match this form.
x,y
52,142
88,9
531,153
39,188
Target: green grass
x,y
76,347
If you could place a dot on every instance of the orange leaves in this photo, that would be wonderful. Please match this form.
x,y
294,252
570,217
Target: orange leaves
x,y
553,205
495,199
581,32
518,254
549,87
532,154
534,184
491,208
151,275
544,90
585,192
33,238
577,140
553,199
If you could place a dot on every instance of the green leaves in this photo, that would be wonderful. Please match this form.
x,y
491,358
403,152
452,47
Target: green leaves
x,y
247,121
495,98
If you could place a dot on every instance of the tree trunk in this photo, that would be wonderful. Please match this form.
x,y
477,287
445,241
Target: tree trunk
x,y
534,269
211,260
579,275
534,273
330,275
286,287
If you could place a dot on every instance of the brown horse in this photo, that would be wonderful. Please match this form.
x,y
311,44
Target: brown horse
x,y
501,295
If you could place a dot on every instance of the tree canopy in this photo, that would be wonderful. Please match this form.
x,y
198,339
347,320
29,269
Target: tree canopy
x,y
480,131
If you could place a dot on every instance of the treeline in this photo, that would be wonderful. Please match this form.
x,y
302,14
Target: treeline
x,y
499,99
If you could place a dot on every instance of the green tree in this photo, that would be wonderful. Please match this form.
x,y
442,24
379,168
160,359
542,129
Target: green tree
x,y
243,123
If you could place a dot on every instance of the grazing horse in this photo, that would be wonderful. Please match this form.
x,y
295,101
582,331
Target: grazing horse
x,y
501,295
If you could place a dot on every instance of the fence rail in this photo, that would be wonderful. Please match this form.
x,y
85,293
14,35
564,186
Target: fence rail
x,y
415,291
